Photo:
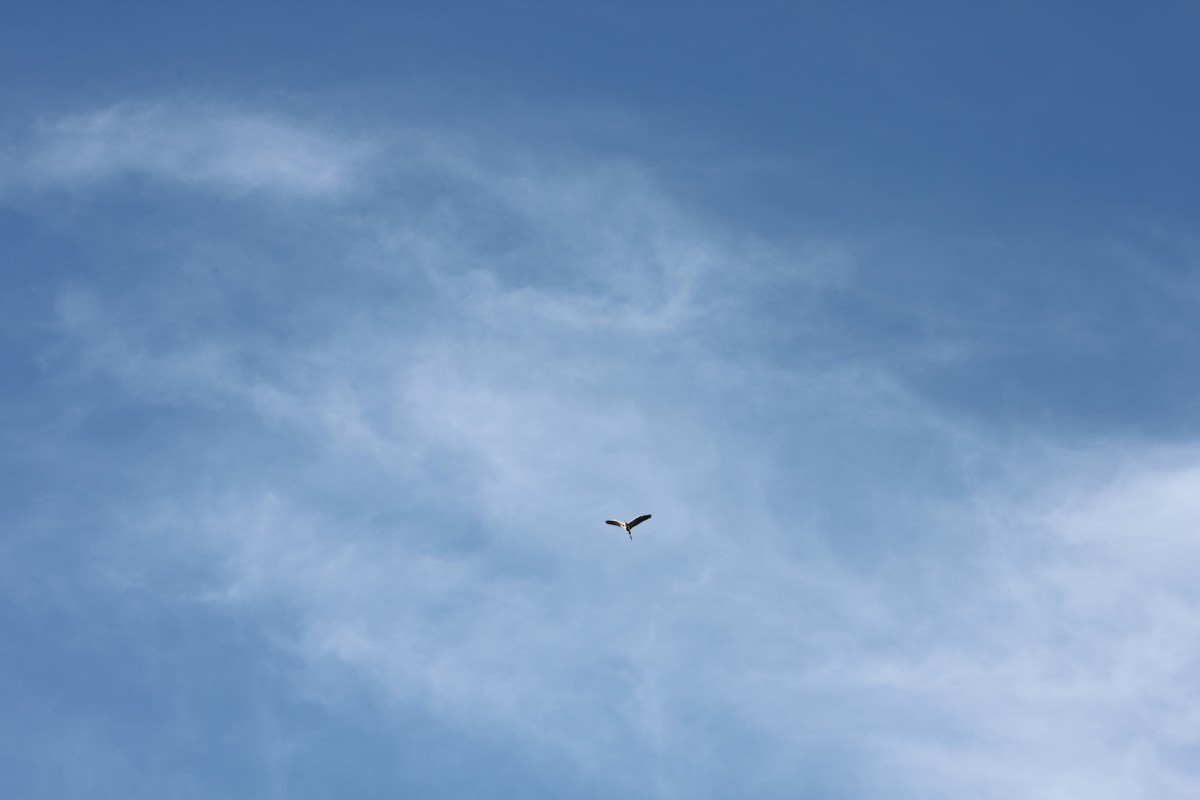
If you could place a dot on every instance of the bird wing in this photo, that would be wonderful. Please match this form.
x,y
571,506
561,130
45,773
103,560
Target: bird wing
x,y
615,522
639,520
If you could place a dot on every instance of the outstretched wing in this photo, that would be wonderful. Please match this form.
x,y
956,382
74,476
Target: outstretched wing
x,y
639,520
615,522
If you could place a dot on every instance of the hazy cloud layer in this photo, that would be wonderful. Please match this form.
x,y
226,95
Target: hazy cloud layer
x,y
384,437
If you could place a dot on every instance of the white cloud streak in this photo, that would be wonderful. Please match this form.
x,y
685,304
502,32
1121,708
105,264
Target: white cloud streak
x,y
178,143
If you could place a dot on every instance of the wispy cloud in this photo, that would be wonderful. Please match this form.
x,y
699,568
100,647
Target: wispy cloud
x,y
207,146
401,474
1028,665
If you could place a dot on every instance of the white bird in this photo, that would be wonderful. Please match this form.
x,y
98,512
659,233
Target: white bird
x,y
625,526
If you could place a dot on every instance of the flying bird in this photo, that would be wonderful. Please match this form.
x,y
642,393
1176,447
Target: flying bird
x,y
626,526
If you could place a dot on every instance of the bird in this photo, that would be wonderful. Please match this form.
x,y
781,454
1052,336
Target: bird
x,y
625,526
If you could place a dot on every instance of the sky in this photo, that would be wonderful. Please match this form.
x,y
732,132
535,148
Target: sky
x,y
331,335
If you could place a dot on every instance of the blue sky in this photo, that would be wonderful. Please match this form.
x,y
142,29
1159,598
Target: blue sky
x,y
330,336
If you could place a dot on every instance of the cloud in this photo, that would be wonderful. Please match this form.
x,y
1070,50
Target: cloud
x,y
395,457
1032,666
207,146
1065,664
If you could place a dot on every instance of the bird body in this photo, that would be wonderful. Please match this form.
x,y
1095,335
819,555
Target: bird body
x,y
625,526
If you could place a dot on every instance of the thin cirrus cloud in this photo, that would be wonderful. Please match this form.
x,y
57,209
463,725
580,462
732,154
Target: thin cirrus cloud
x,y
399,477
222,149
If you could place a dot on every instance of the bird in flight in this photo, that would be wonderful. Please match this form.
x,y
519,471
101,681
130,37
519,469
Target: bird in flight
x,y
626,526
